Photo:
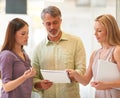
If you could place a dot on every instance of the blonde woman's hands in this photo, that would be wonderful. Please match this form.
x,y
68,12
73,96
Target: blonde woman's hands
x,y
99,85
72,74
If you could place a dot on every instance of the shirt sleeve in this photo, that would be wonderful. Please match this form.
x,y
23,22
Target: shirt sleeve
x,y
6,63
80,57
35,63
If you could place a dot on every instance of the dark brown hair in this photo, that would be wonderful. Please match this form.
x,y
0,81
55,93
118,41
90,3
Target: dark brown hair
x,y
13,26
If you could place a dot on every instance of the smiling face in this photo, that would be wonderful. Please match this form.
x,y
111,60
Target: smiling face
x,y
21,36
100,32
52,25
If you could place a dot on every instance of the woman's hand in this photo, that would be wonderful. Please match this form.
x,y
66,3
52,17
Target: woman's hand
x,y
29,73
73,75
100,85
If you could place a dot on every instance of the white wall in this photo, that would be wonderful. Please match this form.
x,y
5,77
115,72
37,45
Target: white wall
x,y
77,20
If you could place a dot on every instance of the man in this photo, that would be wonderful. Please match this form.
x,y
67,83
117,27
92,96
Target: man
x,y
59,51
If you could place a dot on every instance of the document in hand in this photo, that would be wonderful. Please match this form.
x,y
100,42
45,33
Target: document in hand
x,y
107,71
56,76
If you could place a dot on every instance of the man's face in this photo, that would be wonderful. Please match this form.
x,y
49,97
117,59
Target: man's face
x,y
52,25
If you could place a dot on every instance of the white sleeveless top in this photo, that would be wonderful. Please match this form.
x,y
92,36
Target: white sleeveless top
x,y
109,93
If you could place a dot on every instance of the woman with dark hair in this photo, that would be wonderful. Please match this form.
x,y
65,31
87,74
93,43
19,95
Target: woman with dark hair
x,y
16,71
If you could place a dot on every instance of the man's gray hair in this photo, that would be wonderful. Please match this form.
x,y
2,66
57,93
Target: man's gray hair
x,y
52,10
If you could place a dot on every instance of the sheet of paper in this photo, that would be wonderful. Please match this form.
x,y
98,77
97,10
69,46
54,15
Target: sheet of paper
x,y
56,76
107,71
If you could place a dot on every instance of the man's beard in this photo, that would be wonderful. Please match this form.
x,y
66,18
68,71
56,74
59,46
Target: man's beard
x,y
54,35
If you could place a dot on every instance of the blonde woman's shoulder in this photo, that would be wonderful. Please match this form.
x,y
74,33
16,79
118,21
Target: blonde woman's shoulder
x,y
117,49
116,53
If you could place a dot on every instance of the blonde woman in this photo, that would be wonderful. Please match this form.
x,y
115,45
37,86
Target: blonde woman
x,y
108,35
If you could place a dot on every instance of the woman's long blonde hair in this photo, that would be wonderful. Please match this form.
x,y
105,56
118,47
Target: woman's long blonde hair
x,y
111,26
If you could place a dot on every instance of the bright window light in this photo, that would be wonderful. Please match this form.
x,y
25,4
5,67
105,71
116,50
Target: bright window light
x,y
54,0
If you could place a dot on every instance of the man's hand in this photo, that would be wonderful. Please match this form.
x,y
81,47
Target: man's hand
x,y
43,84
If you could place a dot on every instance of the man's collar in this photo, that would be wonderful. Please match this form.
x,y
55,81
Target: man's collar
x,y
63,38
